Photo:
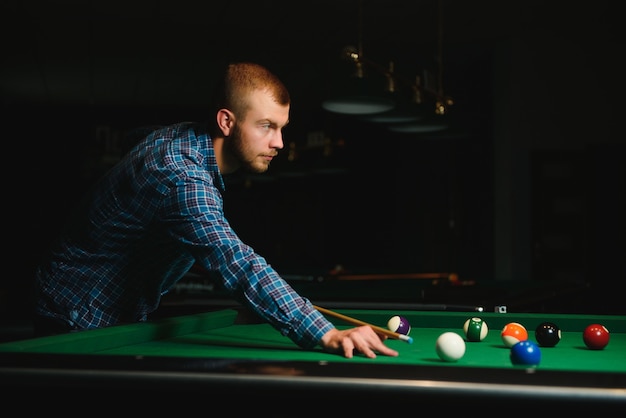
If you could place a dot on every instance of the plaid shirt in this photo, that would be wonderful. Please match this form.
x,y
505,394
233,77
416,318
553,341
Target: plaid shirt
x,y
142,227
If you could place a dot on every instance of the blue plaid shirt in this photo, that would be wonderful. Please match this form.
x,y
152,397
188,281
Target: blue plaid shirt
x,y
142,227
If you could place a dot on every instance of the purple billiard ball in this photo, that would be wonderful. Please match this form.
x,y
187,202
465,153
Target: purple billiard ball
x,y
399,324
525,353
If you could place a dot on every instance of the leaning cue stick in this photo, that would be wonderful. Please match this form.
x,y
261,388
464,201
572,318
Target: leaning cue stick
x,y
354,321
395,276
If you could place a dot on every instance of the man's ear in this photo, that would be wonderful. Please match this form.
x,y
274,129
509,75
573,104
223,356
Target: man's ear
x,y
225,121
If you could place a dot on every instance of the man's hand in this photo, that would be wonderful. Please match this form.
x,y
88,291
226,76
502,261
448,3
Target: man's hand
x,y
362,339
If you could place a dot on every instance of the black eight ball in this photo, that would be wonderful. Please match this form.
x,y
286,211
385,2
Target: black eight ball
x,y
547,334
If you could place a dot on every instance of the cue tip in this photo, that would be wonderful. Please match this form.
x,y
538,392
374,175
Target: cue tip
x,y
406,338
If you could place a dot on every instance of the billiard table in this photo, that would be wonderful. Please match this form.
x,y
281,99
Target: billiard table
x,y
228,351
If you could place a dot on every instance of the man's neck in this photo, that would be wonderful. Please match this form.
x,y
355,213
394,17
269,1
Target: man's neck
x,y
226,163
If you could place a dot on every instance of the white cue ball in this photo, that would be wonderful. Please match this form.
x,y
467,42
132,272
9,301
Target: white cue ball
x,y
450,346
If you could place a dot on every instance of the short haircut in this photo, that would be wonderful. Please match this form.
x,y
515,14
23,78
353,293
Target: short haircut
x,y
239,80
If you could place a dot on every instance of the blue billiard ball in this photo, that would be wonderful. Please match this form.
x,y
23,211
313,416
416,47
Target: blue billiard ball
x,y
526,353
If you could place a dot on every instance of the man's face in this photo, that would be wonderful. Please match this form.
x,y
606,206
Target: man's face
x,y
256,139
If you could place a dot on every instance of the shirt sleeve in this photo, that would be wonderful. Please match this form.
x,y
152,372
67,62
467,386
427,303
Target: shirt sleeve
x,y
194,211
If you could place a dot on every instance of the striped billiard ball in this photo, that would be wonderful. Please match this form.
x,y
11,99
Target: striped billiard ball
x,y
399,324
512,333
475,329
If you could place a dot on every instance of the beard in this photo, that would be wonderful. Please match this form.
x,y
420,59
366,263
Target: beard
x,y
246,157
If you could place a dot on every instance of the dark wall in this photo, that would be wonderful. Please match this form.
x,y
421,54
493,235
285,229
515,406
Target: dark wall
x,y
393,204
373,201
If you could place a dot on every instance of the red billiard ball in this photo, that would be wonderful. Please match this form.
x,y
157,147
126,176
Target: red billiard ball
x,y
596,336
512,333
547,334
525,353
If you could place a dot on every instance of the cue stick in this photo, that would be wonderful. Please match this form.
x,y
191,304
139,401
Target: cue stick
x,y
354,321
427,276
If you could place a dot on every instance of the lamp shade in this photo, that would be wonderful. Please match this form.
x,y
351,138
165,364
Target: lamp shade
x,y
430,123
358,105
358,96
404,112
417,127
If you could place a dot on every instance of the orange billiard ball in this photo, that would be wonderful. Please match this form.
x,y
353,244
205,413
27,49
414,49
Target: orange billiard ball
x,y
512,333
596,336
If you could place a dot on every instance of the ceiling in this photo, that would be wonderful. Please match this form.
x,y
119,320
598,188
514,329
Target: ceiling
x,y
164,52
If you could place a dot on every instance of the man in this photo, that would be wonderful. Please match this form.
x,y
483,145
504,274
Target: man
x,y
160,210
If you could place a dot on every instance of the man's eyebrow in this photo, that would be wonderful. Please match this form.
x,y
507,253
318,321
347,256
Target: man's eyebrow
x,y
271,122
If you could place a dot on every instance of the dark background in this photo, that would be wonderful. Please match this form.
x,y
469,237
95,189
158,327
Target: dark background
x,y
528,184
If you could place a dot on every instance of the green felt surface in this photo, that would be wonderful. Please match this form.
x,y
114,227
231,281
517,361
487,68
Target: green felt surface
x,y
220,335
